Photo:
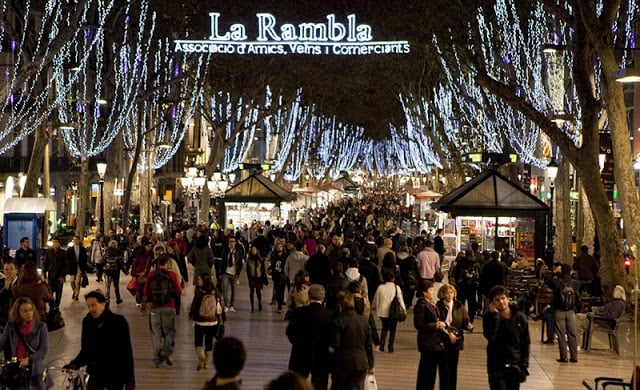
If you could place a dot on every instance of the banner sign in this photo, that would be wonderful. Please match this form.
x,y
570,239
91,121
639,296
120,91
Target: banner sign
x,y
331,37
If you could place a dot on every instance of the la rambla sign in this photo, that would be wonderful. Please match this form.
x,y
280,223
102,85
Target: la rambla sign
x,y
344,37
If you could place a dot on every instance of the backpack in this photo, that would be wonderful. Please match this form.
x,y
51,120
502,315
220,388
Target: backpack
x,y
208,306
470,274
567,295
111,263
160,288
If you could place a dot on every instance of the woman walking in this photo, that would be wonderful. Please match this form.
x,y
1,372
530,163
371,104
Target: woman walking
x,y
382,303
277,259
257,275
433,355
205,312
26,339
32,286
455,316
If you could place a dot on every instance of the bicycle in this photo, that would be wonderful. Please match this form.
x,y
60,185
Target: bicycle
x,y
66,378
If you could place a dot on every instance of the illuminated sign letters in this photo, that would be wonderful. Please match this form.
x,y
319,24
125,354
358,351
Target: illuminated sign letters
x,y
333,37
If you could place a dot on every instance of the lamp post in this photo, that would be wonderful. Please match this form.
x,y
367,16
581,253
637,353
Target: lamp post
x,y
552,173
102,170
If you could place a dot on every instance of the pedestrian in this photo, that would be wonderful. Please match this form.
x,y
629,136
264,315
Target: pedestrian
x,y
351,345
113,264
431,344
160,290
308,333
140,269
565,303
231,268
54,268
201,257
229,356
26,339
278,257
256,275
105,347
205,313
507,331
382,303
455,316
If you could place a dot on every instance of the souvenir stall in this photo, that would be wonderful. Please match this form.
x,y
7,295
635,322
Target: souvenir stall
x,y
497,214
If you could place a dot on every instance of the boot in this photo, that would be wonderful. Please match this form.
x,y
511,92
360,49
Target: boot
x,y
252,309
260,306
202,363
207,357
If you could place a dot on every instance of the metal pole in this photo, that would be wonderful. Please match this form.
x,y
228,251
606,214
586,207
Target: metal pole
x,y
101,225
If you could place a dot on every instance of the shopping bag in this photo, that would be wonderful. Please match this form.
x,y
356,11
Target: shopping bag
x,y
370,382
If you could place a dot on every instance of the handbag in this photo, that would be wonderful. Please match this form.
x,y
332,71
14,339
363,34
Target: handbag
x,y
396,312
54,319
220,330
85,280
13,376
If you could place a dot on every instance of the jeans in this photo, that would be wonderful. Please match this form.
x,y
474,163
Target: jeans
x,y
228,285
566,325
162,323
388,325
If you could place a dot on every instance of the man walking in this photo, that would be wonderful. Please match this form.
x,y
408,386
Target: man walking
x,y
24,253
105,347
506,329
161,290
428,262
230,272
77,261
55,268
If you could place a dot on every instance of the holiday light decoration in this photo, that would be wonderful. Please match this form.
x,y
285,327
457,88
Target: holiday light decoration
x,y
28,45
90,120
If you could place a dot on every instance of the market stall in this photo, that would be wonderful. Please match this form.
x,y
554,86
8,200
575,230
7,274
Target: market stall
x,y
497,214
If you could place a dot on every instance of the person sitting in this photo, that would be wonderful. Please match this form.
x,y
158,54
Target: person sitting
x,y
612,310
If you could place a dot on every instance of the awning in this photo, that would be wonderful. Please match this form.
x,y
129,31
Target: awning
x,y
490,194
36,206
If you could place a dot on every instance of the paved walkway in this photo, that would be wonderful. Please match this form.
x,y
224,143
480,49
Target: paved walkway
x,y
268,350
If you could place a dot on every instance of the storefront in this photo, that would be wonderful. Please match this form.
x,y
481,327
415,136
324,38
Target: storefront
x,y
497,214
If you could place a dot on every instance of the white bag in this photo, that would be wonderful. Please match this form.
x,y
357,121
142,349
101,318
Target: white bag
x,y
370,382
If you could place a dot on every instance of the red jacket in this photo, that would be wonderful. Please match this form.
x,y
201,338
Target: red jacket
x,y
176,288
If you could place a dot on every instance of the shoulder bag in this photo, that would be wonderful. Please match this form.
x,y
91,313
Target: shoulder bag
x,y
396,312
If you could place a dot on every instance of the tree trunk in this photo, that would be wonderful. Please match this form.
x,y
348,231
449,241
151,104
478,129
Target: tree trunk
x,y
562,215
587,227
30,189
84,201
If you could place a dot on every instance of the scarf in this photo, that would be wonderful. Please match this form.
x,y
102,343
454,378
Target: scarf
x,y
25,331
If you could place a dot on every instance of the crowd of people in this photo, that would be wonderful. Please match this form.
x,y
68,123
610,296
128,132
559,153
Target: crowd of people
x,y
336,275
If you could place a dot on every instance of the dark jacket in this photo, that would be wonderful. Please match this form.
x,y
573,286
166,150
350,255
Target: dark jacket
x,y
351,342
425,316
555,282
39,294
24,255
319,268
459,320
106,349
238,257
370,272
308,333
492,274
466,266
55,263
73,262
438,245
509,339
586,266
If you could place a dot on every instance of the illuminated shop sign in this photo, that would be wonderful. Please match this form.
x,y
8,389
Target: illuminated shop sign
x,y
332,37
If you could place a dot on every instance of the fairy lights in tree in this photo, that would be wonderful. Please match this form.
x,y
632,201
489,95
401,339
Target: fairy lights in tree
x,y
91,111
25,83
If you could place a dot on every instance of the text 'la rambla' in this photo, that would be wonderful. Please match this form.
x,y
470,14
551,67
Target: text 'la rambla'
x,y
268,30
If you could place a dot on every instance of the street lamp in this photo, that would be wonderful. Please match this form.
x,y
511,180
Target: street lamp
x,y
552,173
102,170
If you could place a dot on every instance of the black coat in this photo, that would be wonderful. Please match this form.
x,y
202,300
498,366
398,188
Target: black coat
x,y
430,338
76,262
308,333
492,274
509,339
106,349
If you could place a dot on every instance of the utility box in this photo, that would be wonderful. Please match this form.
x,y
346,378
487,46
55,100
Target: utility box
x,y
25,217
